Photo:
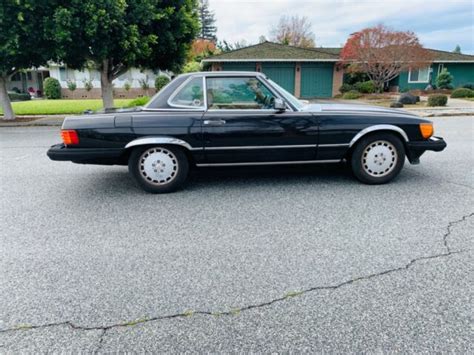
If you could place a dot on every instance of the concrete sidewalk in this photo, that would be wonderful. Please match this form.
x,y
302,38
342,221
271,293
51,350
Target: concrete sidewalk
x,y
48,120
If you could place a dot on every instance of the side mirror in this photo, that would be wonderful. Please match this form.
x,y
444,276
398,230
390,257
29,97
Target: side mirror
x,y
279,104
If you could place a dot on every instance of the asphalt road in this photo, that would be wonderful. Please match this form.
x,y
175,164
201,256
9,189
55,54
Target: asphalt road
x,y
262,259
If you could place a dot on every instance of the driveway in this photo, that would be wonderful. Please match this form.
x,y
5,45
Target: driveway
x,y
262,259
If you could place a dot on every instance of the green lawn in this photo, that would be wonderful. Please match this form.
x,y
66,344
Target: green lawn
x,y
59,107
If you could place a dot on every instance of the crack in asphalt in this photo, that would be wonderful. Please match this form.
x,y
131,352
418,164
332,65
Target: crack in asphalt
x,y
235,311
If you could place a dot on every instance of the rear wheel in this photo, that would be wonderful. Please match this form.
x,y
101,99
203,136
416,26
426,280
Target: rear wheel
x,y
378,158
159,169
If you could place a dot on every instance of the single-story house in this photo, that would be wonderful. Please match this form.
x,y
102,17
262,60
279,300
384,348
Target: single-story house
x,y
312,72
32,79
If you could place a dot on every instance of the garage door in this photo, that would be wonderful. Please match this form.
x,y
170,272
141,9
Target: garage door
x,y
281,73
238,66
316,80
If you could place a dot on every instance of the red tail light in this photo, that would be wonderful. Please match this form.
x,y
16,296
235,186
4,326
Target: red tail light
x,y
69,137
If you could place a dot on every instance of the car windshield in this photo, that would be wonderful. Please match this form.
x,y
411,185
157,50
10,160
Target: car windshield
x,y
289,97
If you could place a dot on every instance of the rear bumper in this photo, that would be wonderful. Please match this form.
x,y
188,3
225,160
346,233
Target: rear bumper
x,y
109,156
416,149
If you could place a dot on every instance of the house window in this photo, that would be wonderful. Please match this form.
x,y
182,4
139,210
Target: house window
x,y
66,74
440,68
16,77
421,75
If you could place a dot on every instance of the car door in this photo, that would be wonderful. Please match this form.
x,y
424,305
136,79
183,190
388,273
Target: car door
x,y
241,125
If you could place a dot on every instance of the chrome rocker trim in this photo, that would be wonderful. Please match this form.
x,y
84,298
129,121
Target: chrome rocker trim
x,y
271,163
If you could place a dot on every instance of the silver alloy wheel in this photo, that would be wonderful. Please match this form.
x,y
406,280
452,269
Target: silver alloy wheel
x,y
379,158
158,166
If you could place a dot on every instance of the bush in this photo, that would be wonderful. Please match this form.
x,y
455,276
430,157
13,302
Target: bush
x,y
191,67
468,86
15,96
52,88
437,100
88,85
351,95
127,86
444,80
71,85
139,101
396,104
161,81
366,87
462,92
346,88
407,99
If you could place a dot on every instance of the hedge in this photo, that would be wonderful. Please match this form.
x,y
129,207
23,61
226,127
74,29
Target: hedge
x,y
351,95
437,100
14,96
52,88
462,92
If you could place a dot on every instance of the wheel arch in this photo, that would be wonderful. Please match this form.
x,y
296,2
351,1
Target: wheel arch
x,y
160,140
397,131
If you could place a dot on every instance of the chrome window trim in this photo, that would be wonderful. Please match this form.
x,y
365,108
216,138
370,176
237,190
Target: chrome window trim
x,y
271,163
179,88
247,147
381,127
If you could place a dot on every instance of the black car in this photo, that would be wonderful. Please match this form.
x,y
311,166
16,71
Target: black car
x,y
242,118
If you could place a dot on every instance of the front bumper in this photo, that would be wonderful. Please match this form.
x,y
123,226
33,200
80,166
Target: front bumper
x,y
109,156
417,148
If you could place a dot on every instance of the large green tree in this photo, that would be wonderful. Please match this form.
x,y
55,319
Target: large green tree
x,y
22,42
206,21
115,35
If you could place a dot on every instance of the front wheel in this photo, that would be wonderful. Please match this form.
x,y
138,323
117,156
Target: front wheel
x,y
378,158
158,169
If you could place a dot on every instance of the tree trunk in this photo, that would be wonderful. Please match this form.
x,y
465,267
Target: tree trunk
x,y
8,113
106,85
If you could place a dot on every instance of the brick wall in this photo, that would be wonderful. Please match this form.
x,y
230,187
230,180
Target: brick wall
x,y
337,78
95,93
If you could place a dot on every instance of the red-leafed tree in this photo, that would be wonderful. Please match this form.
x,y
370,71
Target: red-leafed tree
x,y
383,54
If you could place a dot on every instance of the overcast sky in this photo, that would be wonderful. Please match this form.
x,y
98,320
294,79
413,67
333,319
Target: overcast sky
x,y
440,24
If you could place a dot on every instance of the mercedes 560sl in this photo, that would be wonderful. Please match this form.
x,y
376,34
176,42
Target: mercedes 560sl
x,y
211,119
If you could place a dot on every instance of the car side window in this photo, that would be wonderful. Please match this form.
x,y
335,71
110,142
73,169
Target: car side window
x,y
190,95
238,93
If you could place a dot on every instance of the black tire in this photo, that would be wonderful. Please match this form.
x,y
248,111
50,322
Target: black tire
x,y
378,158
171,160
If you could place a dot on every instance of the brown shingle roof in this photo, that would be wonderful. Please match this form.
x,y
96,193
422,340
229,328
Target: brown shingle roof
x,y
268,51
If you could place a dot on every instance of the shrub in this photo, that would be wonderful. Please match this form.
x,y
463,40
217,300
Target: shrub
x,y
469,86
144,83
396,104
444,80
191,67
88,84
15,96
462,92
15,89
139,101
346,88
437,100
161,81
366,87
127,86
407,99
52,88
71,85
351,95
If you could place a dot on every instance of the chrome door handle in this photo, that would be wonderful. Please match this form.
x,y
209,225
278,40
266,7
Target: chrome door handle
x,y
214,122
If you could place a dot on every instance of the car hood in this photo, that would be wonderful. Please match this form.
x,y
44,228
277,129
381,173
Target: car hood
x,y
347,108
